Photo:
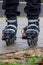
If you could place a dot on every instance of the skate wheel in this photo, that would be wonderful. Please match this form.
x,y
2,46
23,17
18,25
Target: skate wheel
x,y
29,41
35,41
24,36
32,42
9,42
3,37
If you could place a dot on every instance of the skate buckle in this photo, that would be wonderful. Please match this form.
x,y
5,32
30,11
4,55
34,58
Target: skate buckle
x,y
24,36
3,37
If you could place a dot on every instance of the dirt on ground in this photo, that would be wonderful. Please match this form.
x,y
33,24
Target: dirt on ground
x,y
21,55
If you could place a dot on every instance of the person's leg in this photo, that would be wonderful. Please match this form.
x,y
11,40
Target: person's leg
x,y
33,9
11,13
10,7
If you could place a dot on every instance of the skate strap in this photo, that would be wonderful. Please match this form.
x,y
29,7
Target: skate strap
x,y
33,25
10,30
29,30
33,20
11,26
11,21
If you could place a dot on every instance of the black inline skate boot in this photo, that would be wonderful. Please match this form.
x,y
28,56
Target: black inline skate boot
x,y
9,33
31,32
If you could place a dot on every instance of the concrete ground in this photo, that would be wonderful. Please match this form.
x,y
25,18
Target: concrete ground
x,y
19,44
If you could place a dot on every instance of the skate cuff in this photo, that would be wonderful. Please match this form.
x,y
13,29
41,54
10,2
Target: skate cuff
x,y
11,21
34,20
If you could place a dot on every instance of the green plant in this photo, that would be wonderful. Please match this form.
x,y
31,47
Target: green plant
x,y
34,60
30,61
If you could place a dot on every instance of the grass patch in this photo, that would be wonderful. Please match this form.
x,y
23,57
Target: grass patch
x,y
30,61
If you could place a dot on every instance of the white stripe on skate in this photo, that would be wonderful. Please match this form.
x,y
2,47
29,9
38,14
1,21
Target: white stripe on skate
x,y
32,30
33,25
10,30
11,21
12,26
33,20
